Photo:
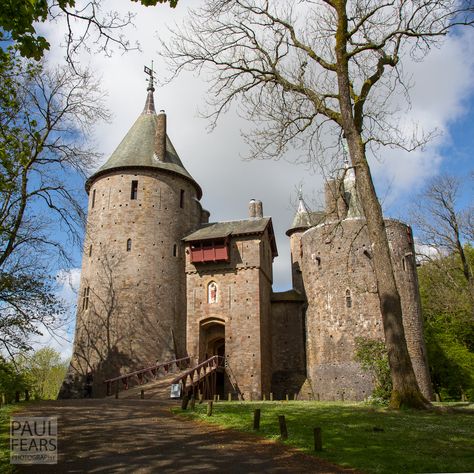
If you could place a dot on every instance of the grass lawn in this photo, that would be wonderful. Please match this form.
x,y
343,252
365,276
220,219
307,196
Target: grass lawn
x,y
5,413
410,442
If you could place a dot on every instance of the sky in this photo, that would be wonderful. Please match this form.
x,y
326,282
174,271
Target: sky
x,y
442,98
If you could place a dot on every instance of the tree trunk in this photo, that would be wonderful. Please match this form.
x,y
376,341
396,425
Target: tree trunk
x,y
405,390
405,387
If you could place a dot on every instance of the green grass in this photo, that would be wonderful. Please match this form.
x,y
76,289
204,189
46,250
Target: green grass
x,y
5,413
411,441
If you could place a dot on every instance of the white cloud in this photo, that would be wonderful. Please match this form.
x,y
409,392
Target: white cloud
x,y
61,338
69,280
441,95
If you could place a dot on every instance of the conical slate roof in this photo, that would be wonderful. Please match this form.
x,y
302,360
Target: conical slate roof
x,y
138,149
304,219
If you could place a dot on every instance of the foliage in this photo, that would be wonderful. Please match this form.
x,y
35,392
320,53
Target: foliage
x,y
443,441
11,380
44,371
45,120
41,374
373,359
449,325
17,18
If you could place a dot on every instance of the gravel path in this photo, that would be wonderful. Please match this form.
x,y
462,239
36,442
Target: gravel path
x,y
142,436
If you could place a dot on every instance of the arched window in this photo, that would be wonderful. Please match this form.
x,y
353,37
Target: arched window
x,y
348,299
129,245
212,292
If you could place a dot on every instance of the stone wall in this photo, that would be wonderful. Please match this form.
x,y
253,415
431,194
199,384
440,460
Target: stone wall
x,y
242,306
133,271
404,264
343,304
296,253
288,344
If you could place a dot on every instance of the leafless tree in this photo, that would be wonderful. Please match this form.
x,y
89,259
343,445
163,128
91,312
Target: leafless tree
x,y
311,73
443,225
45,128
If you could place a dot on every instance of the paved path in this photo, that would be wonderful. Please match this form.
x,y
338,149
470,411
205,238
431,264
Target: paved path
x,y
142,436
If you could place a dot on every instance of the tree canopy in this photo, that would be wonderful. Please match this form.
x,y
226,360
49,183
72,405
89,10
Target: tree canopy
x,y
18,18
444,226
449,325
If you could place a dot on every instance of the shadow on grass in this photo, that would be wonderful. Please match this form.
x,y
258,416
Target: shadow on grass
x,y
371,439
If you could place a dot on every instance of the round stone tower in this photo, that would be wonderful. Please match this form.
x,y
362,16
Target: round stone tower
x,y
132,301
343,304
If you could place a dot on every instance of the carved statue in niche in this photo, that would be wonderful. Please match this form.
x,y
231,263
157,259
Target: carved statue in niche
x,y
212,292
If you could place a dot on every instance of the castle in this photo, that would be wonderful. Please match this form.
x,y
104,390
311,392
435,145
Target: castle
x,y
160,282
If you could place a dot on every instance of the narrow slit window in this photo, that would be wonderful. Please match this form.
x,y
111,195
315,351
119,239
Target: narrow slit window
x,y
93,199
404,264
175,250
90,250
85,298
348,299
129,245
134,190
181,199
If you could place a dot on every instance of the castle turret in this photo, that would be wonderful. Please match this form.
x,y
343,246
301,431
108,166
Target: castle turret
x,y
132,301
303,220
341,289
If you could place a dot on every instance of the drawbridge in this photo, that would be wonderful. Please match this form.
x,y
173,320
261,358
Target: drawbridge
x,y
200,381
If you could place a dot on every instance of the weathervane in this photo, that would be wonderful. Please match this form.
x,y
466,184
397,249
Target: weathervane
x,y
151,79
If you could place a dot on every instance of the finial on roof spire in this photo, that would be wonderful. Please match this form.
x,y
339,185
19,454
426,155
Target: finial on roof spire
x,y
151,77
300,193
150,103
301,204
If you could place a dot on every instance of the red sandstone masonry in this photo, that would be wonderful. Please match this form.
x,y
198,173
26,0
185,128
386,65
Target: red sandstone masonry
x,y
137,305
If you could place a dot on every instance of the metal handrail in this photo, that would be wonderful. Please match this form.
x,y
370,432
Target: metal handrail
x,y
152,371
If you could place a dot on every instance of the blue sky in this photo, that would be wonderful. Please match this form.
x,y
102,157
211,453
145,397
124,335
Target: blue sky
x,y
442,98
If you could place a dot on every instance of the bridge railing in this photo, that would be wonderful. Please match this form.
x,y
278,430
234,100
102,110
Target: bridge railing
x,y
200,376
142,376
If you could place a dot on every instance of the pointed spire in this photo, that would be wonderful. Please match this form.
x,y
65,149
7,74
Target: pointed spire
x,y
301,204
150,102
304,218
